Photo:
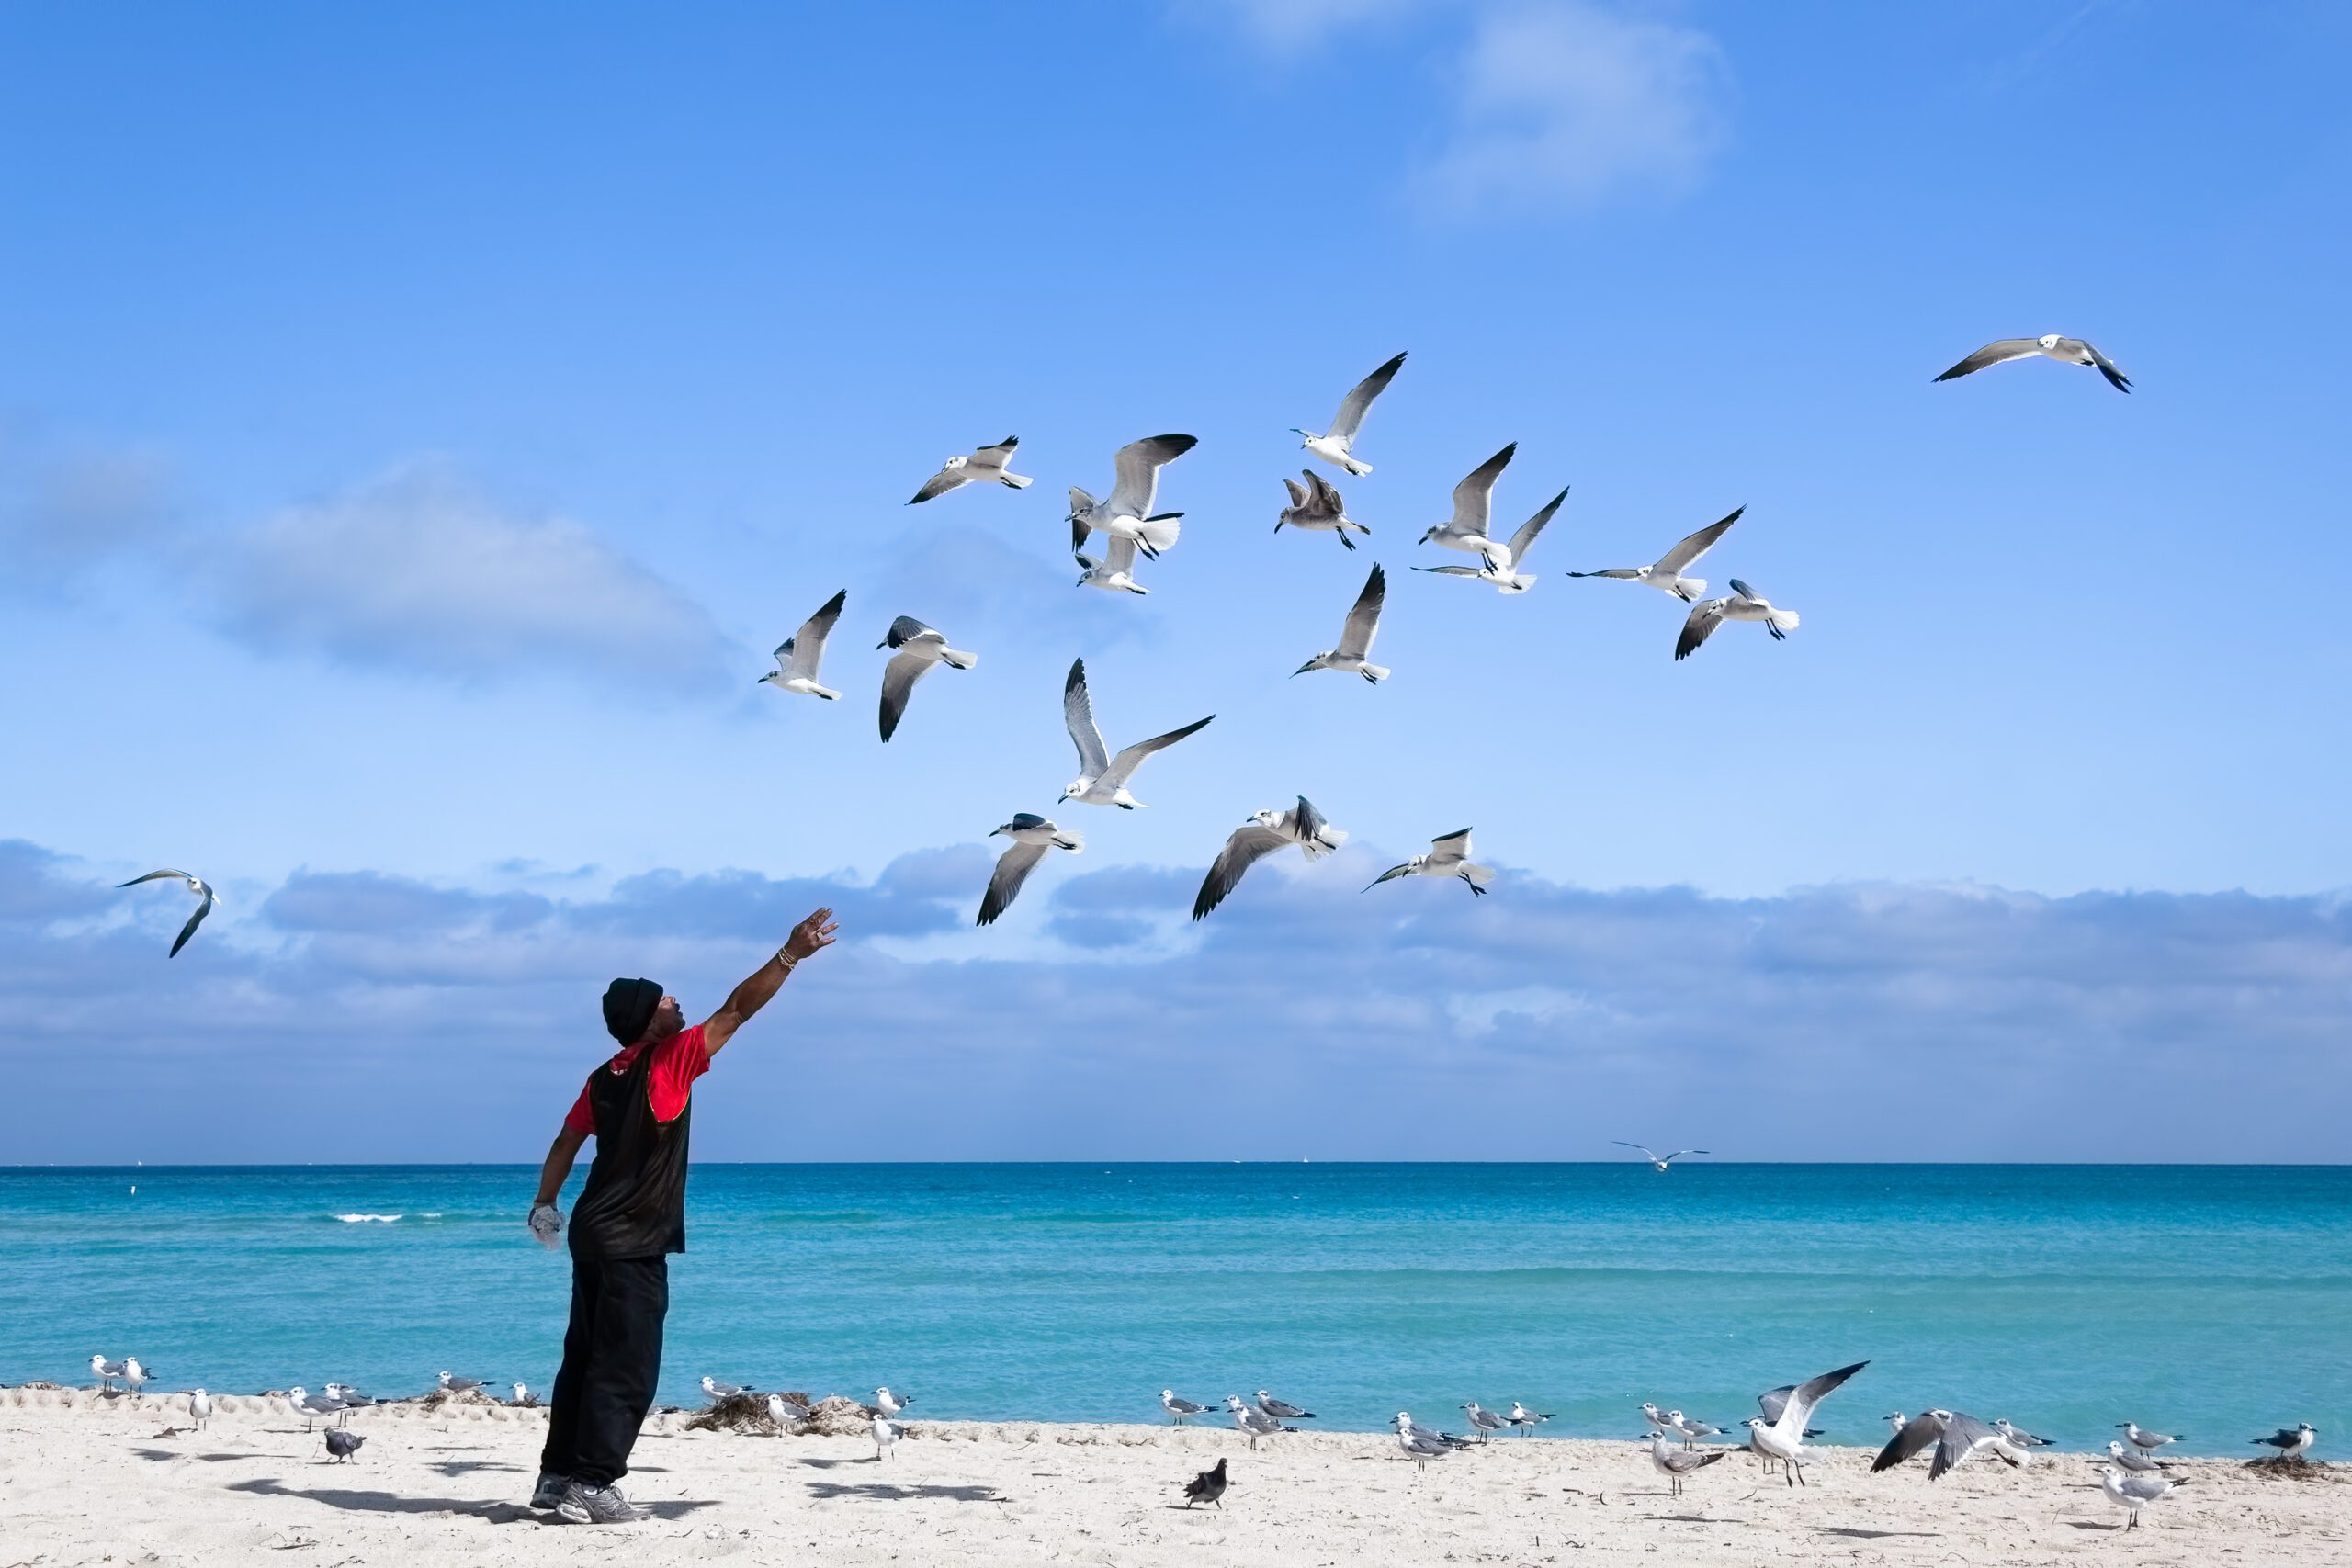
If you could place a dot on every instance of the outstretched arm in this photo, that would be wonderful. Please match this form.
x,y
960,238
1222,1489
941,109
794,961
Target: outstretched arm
x,y
810,936
560,1154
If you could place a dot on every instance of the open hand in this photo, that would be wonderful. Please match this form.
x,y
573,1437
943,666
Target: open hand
x,y
810,935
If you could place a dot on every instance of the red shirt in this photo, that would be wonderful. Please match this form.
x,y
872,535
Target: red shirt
x,y
677,1061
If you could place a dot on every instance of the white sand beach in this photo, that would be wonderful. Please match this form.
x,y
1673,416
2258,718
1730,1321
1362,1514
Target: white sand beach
x,y
125,1480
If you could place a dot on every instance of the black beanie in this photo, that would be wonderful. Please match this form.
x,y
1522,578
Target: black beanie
x,y
629,1008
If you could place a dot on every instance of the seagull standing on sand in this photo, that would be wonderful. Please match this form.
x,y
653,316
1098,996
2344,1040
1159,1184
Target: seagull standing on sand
x,y
1282,1409
1316,505
449,1385
985,466
1206,1487
1354,653
2146,1442
134,1375
891,1404
1783,1437
2290,1442
1958,1437
1115,572
199,1407
350,1395
1894,1421
920,648
1666,572
2131,1459
1676,1463
1660,1162
1032,836
797,658
1448,856
1265,832
1335,444
1474,500
525,1399
1743,604
1127,514
1482,1421
886,1437
1256,1423
2021,1440
2050,346
105,1371
310,1407
204,899
1103,778
1656,1417
2133,1493
1179,1408
1499,564
1525,1419
786,1412
1694,1431
1418,1444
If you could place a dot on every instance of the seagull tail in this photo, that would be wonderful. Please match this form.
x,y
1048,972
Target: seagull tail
x,y
1159,533
959,658
1325,840
1070,839
1375,673
1782,620
1016,482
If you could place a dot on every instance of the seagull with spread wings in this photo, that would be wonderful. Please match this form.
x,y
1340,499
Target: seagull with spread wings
x,y
1666,572
1115,572
1316,505
985,466
1958,1437
1336,445
1448,856
1265,832
1499,563
1743,604
797,659
205,899
918,648
1127,513
2050,346
1661,1162
1103,778
1354,652
1780,1435
1032,836
1473,503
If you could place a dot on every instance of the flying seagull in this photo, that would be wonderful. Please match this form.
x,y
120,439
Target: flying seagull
x,y
1032,836
1256,1423
1958,1437
1206,1487
1744,605
1676,1463
1782,1436
2050,346
1354,652
919,648
2290,1441
2146,1442
2133,1493
1282,1409
1103,778
1419,1446
205,898
1115,572
1666,572
976,467
1661,1161
1128,513
1473,505
1316,505
1335,444
342,1444
1448,856
795,662
1265,832
1497,564
1179,1408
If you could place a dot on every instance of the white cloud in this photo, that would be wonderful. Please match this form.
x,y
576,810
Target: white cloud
x,y
1573,103
62,513
416,570
1293,24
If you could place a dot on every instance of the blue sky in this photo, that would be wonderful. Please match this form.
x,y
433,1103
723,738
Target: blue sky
x,y
415,431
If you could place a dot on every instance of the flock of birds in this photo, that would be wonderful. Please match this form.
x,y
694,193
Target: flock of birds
x,y
1133,529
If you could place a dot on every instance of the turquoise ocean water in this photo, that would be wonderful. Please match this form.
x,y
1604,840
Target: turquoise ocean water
x,y
2212,1300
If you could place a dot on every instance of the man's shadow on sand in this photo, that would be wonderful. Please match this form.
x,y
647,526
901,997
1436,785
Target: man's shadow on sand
x,y
388,1503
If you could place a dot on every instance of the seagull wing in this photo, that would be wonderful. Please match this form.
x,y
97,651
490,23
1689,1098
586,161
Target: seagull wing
x,y
1250,844
1454,843
1474,497
1123,766
1677,1154
1363,619
2115,378
1964,1437
1993,353
1297,493
1524,540
1350,419
1771,1409
189,929
1078,714
153,875
1120,555
905,629
807,643
1137,464
1805,1395
1013,869
898,678
939,484
1453,571
1913,1440
1001,454
1326,494
1696,545
1704,617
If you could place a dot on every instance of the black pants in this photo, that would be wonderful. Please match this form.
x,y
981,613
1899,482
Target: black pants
x,y
612,1358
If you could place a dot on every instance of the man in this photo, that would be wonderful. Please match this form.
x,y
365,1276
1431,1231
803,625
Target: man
x,y
630,1216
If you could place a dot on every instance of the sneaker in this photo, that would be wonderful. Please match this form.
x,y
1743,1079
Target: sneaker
x,y
548,1494
586,1504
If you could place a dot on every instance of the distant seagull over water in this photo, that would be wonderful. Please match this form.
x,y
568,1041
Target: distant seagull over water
x,y
1257,1424
1499,564
1265,832
1103,778
2050,346
1206,1487
1336,445
1660,1162
1744,605
1474,504
2133,1493
1127,514
1666,572
2146,1442
1354,653
797,659
205,899
985,466
1315,506
1179,1408
1115,572
1448,856
1958,1437
2290,1442
920,648
1032,836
